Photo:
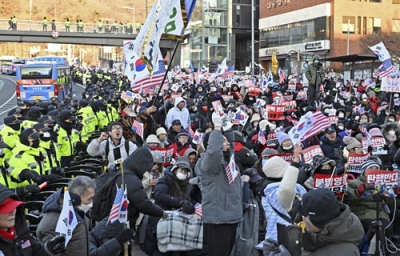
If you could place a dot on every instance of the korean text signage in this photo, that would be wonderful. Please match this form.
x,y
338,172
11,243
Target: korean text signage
x,y
277,3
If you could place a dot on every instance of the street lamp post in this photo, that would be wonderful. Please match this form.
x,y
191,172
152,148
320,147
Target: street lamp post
x,y
129,8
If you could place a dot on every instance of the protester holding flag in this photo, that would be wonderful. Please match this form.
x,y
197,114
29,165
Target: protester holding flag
x,y
81,191
15,237
222,201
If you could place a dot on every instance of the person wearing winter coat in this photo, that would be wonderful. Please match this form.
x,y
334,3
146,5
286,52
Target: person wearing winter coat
x,y
15,237
281,191
135,166
81,190
221,202
331,144
243,157
331,228
178,112
314,74
202,119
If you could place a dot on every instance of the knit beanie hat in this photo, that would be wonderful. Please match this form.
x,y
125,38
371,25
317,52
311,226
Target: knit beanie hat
x,y
351,142
282,137
375,132
275,167
152,139
268,151
369,164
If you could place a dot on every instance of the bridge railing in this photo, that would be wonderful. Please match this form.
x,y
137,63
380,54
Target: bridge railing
x,y
27,25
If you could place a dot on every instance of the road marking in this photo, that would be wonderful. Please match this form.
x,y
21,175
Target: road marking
x,y
12,98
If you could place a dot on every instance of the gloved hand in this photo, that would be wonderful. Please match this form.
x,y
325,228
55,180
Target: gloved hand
x,y
27,174
32,189
217,119
58,171
124,236
56,245
50,178
360,190
187,207
80,145
282,251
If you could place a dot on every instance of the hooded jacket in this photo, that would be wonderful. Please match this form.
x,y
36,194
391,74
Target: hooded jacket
x,y
138,163
79,243
342,234
23,234
221,202
180,114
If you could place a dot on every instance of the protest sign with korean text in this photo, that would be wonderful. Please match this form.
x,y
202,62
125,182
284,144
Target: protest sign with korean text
x,y
310,152
389,178
356,161
336,183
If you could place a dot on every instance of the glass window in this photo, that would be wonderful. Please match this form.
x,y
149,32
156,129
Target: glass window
x,y
348,24
374,25
238,15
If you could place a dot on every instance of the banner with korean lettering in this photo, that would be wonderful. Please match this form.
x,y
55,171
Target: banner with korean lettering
x,y
168,154
389,178
272,140
301,95
275,112
355,162
287,157
310,152
376,143
336,183
390,84
290,105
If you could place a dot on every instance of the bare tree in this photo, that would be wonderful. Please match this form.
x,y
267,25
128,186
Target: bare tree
x,y
390,40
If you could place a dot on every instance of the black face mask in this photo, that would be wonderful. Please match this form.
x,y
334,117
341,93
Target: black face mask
x,y
15,127
35,143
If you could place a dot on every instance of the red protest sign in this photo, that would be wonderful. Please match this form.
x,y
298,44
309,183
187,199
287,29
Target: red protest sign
x,y
355,162
388,177
275,112
301,95
310,152
254,91
168,154
218,107
290,105
272,140
336,183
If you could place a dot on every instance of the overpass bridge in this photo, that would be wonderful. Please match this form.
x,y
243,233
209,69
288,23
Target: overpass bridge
x,y
32,32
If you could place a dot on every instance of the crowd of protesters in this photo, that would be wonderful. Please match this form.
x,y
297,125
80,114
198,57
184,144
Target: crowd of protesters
x,y
181,153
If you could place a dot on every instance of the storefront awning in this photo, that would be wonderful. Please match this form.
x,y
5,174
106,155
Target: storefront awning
x,y
352,58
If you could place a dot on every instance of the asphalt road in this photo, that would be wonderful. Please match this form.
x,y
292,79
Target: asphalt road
x,y
8,100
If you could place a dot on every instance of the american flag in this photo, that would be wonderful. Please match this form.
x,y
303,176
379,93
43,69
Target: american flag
x,y
231,171
191,132
261,137
282,76
197,210
229,72
127,95
137,128
114,213
309,125
362,110
385,69
152,81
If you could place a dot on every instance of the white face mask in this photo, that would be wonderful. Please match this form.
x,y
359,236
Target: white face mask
x,y
46,135
288,148
341,127
356,117
391,120
392,132
326,111
354,102
85,207
341,115
365,100
181,176
272,126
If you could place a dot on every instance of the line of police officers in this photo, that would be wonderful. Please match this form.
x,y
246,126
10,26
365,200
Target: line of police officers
x,y
39,139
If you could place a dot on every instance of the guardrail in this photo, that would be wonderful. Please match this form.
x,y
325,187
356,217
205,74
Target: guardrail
x,y
26,25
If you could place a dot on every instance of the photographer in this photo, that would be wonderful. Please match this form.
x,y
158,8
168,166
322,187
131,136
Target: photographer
x,y
314,74
362,203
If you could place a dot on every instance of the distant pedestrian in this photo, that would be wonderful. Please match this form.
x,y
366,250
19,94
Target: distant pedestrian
x,y
10,23
80,26
67,25
44,24
14,23
77,26
53,25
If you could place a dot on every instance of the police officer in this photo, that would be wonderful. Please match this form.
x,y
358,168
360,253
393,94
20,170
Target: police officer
x,y
26,165
66,136
100,26
80,26
32,118
88,120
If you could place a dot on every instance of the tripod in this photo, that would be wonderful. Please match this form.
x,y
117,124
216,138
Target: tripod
x,y
376,228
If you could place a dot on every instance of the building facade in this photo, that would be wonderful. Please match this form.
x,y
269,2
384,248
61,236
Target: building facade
x,y
296,30
221,29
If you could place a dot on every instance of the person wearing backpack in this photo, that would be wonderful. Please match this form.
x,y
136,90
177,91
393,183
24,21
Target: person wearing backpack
x,y
104,145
